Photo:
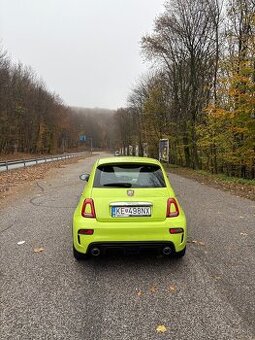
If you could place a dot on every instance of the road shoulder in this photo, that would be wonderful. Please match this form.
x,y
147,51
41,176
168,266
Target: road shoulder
x,y
15,183
236,186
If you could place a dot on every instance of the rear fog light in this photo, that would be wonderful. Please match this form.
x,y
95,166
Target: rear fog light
x,y
86,232
176,230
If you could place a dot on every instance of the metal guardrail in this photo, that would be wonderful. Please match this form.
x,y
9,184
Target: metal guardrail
x,y
23,163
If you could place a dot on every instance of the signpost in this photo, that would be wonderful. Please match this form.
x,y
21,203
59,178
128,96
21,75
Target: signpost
x,y
164,150
84,139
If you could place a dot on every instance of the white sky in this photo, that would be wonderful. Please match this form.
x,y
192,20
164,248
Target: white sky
x,y
87,51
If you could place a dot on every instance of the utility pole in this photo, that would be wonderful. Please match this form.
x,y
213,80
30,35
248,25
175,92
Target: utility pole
x,y
91,145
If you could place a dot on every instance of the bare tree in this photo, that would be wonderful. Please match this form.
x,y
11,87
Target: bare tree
x,y
184,43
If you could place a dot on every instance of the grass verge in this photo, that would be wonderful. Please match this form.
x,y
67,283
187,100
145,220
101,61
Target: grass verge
x,y
237,186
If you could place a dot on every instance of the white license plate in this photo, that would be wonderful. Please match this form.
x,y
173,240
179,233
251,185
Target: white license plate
x,y
131,211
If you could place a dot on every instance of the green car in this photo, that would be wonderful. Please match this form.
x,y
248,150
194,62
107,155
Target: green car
x,y
128,205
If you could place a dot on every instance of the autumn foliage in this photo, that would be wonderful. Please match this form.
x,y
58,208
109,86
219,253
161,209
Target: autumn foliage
x,y
200,91
33,120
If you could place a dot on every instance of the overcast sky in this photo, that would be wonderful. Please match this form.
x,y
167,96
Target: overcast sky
x,y
87,51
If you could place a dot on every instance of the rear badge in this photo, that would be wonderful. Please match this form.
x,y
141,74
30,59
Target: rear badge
x,y
130,192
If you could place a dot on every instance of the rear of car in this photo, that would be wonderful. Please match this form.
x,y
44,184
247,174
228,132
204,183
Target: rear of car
x,y
128,205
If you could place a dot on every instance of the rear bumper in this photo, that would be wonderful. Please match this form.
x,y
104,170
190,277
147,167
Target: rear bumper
x,y
131,247
123,235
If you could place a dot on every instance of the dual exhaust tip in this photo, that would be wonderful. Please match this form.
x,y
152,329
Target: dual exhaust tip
x,y
166,250
96,251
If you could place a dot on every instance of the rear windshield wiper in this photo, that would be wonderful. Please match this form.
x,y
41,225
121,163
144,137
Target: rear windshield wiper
x,y
121,185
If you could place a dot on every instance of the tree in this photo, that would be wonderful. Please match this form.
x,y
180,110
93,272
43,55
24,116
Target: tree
x,y
183,44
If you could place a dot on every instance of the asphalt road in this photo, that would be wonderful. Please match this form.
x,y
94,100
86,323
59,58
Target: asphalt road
x,y
210,294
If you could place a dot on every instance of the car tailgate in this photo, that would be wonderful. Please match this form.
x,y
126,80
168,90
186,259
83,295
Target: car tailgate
x,y
107,198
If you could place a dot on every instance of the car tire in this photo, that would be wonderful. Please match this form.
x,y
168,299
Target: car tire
x,y
79,256
180,254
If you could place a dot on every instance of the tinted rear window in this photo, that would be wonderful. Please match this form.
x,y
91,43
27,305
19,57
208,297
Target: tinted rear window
x,y
129,176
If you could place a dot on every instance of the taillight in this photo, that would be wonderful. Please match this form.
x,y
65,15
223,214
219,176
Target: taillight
x,y
86,232
88,208
172,209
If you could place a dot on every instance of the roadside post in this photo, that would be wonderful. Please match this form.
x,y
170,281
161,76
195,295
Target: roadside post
x,y
91,145
164,150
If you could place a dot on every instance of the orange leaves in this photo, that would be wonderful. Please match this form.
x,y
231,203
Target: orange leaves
x,y
200,243
216,112
172,288
38,250
161,329
139,293
153,289
238,129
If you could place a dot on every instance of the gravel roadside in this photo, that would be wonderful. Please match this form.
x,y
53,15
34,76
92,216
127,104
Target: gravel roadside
x,y
16,182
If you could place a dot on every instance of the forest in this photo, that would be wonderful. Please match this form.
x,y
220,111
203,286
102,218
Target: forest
x,y
199,89
35,121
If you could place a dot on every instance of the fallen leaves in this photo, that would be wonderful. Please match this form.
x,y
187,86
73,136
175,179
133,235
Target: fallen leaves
x,y
161,329
172,288
238,189
17,178
139,292
217,278
200,243
38,250
153,289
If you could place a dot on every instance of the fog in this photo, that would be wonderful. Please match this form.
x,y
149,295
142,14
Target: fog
x,y
87,51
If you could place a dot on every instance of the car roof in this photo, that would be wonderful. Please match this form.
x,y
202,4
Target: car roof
x,y
128,159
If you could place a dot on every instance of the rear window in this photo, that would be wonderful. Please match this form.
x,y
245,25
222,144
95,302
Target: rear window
x,y
129,176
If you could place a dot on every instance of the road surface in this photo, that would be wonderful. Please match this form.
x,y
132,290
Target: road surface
x,y
210,294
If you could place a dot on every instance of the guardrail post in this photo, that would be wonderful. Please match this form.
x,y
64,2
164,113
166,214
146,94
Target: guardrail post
x,y
6,164
24,161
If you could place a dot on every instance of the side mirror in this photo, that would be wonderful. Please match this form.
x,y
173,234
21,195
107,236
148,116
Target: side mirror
x,y
84,177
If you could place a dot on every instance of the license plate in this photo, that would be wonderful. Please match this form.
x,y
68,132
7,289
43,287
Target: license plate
x,y
131,211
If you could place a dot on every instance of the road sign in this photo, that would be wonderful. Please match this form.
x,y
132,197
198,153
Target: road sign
x,y
83,138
